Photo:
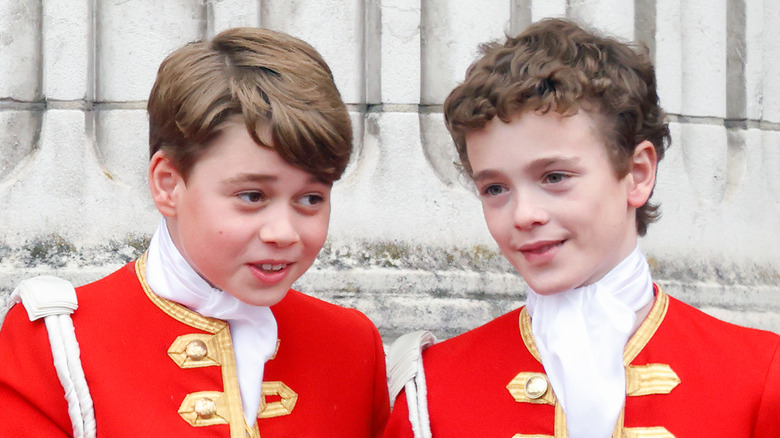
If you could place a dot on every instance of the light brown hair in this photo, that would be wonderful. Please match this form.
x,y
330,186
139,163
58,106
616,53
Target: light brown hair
x,y
266,78
556,65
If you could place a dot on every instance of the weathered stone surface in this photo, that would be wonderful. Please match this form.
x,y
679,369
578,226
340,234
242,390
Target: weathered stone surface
x,y
18,138
770,94
122,147
447,54
20,55
408,244
549,8
669,52
67,50
393,194
400,51
133,37
614,16
703,62
334,28
225,14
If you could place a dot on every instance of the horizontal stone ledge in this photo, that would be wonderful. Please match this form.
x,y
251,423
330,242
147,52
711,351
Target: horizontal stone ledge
x,y
425,109
78,104
764,298
18,105
345,284
685,119
420,284
450,303
47,104
411,283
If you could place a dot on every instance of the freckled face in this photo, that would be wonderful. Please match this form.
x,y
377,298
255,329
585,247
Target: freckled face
x,y
247,221
551,198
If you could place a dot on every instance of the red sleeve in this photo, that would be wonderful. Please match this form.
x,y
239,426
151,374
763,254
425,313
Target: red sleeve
x,y
768,421
381,399
32,400
399,425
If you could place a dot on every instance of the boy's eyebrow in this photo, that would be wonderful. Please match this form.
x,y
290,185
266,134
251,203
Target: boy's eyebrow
x,y
485,174
558,160
535,165
249,177
259,177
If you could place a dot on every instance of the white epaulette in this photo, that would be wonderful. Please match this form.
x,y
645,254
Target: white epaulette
x,y
54,300
405,371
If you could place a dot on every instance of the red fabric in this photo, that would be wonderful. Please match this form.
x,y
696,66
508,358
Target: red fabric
x,y
730,382
330,356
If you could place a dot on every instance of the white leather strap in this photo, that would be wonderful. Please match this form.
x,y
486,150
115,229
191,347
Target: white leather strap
x,y
405,371
54,299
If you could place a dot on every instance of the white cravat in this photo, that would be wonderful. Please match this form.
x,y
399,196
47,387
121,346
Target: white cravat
x,y
581,334
252,328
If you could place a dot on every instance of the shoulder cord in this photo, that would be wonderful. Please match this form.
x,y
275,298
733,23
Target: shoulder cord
x,y
67,362
405,369
54,299
417,402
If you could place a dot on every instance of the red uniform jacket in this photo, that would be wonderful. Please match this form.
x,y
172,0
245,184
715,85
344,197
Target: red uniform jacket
x,y
328,374
688,376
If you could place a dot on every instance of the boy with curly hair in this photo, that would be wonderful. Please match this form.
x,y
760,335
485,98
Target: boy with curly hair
x,y
561,131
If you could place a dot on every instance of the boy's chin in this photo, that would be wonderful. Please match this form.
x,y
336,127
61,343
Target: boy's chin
x,y
547,289
548,292
262,298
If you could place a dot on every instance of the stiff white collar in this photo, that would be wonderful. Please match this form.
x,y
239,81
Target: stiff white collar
x,y
581,335
253,328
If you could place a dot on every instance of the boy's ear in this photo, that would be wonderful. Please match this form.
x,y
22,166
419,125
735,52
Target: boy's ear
x,y
644,163
163,182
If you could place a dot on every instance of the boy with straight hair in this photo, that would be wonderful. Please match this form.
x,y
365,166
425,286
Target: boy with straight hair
x,y
561,131
202,335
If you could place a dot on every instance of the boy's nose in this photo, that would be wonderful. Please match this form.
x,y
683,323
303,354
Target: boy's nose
x,y
527,214
279,229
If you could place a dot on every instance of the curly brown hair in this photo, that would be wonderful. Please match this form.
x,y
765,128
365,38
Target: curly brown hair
x,y
556,65
262,76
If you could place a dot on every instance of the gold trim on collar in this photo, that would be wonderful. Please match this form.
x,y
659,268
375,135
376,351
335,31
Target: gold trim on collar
x,y
560,422
640,380
230,399
527,334
175,310
648,328
635,344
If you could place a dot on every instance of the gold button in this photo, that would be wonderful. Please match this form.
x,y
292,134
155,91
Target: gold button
x,y
205,408
535,386
196,350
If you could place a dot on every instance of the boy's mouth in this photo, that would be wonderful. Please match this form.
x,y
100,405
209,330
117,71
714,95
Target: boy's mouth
x,y
270,273
540,247
542,251
268,267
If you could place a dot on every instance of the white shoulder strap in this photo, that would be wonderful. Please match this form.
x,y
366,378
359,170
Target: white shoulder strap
x,y
54,299
405,371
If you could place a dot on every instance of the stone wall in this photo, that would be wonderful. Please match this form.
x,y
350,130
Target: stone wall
x,y
408,244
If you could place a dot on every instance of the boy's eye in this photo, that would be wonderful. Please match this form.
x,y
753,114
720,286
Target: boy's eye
x,y
493,190
310,200
555,177
252,197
